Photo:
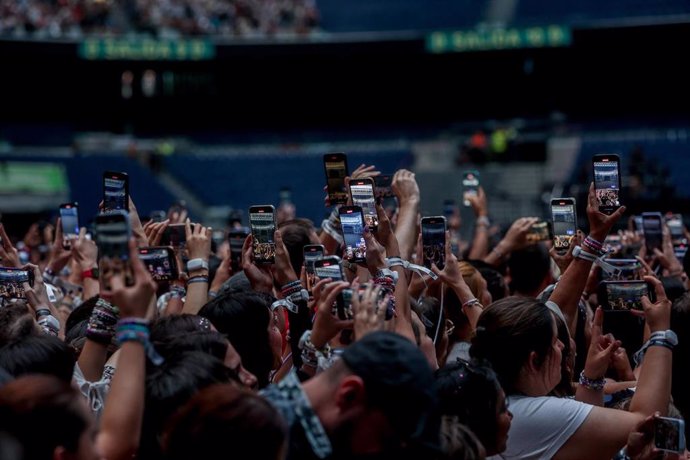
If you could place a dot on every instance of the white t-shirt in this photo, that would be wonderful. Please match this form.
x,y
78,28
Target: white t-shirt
x,y
541,425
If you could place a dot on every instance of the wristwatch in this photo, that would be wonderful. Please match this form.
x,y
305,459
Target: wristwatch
x,y
90,273
196,264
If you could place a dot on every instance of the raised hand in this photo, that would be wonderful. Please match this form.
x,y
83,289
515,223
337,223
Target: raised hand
x,y
260,277
657,314
369,311
198,241
282,270
599,223
326,325
9,256
601,348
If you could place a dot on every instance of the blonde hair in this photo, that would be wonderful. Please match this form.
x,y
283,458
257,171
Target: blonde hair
x,y
472,277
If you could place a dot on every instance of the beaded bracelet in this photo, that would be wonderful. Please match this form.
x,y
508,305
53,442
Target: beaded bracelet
x,y
591,384
101,325
291,287
137,330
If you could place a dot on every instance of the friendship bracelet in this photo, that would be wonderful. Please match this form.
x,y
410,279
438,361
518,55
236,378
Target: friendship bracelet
x,y
137,330
101,325
471,302
591,384
197,279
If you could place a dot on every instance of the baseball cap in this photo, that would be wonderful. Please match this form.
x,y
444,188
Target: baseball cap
x,y
398,380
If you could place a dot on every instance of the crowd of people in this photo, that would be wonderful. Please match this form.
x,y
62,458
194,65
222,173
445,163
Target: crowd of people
x,y
502,353
75,19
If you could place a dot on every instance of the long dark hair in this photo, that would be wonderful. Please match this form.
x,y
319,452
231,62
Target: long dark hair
x,y
243,317
508,331
469,392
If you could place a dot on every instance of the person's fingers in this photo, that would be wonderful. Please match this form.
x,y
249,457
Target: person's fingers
x,y
140,272
658,287
658,253
318,288
617,214
592,197
597,323
330,292
187,228
5,239
158,232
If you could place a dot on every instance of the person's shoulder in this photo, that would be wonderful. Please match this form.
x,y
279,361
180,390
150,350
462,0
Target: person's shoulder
x,y
530,404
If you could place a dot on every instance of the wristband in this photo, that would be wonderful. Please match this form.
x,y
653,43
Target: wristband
x,y
197,279
287,303
291,288
137,330
212,294
591,384
177,292
471,302
483,221
101,325
196,264
419,269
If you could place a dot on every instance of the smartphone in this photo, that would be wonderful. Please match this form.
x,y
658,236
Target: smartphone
x,y
613,244
628,270
624,295
669,434
175,235
607,182
69,217
352,226
434,241
11,282
335,165
362,193
449,208
470,185
329,267
312,253
115,191
236,237
676,229
383,186
651,226
112,234
262,221
564,220
540,231
160,262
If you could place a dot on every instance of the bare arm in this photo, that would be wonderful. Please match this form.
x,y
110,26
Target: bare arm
x,y
605,431
123,413
199,247
569,289
480,243
406,189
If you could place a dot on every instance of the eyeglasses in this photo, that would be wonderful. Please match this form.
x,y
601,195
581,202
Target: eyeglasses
x,y
450,327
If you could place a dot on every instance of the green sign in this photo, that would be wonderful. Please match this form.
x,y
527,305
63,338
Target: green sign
x,y
111,49
498,39
33,178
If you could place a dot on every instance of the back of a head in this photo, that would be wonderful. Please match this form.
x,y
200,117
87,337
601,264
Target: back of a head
x,y
225,419
210,342
169,327
529,267
508,331
16,322
296,234
495,282
171,385
243,317
393,370
459,442
469,391
38,354
42,412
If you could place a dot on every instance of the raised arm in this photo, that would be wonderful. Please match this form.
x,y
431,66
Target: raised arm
x,y
569,289
121,421
605,431
480,243
198,247
406,189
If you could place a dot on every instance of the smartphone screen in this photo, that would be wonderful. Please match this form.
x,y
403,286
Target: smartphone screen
x,y
564,222
470,184
263,226
362,192
669,434
607,182
329,267
434,241
623,295
160,262
651,226
236,238
115,191
69,216
112,235
11,280
628,270
539,231
383,184
678,239
335,165
352,225
312,253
